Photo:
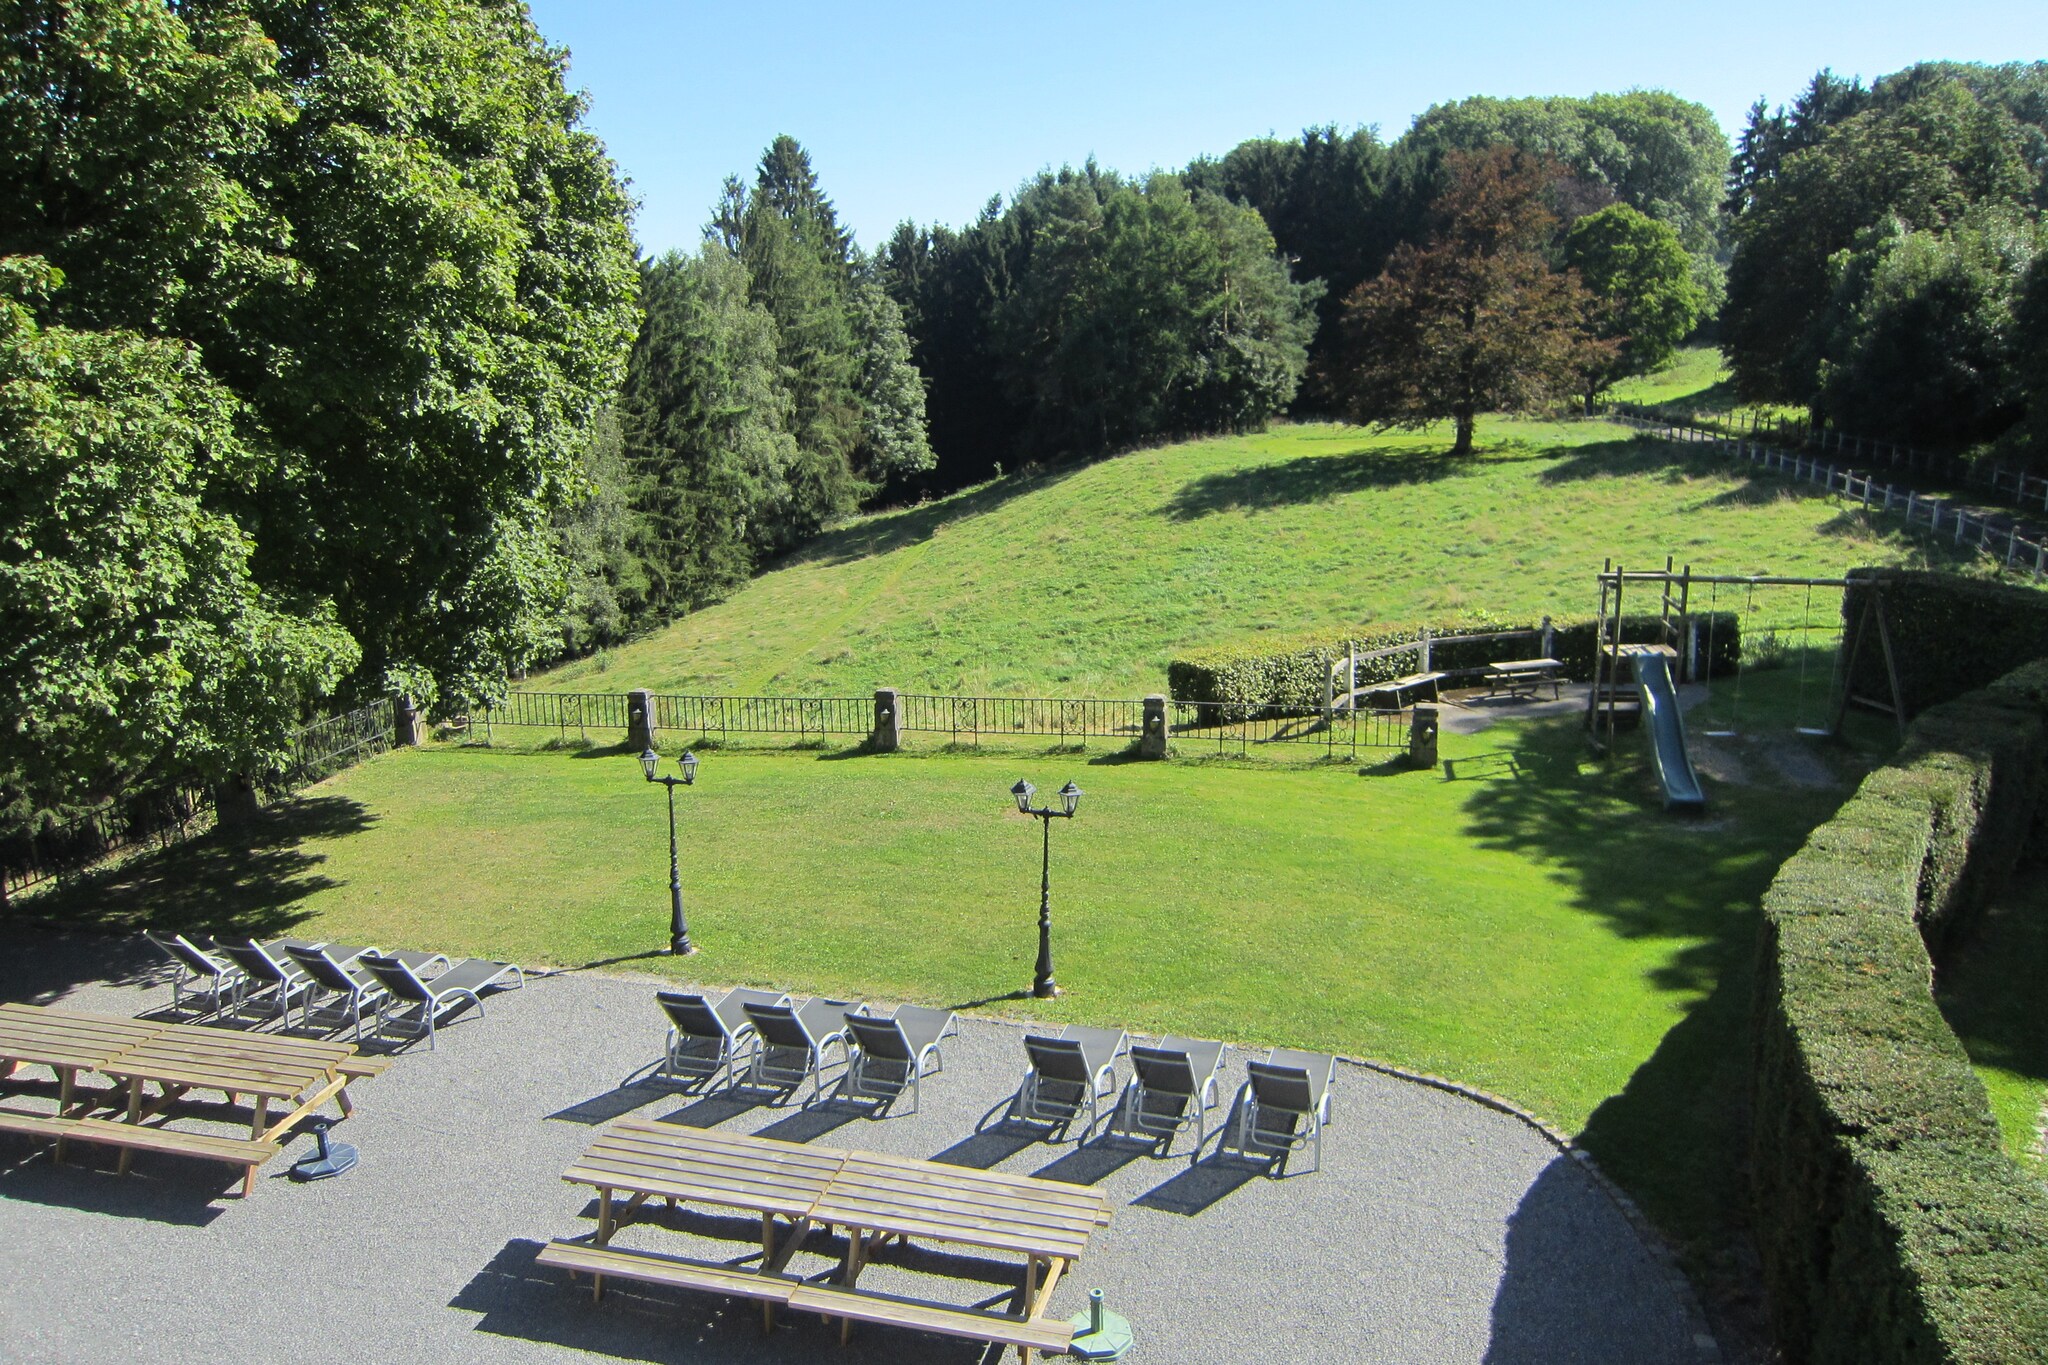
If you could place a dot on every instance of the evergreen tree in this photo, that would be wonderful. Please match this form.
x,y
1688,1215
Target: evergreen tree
x,y
706,422
894,446
607,582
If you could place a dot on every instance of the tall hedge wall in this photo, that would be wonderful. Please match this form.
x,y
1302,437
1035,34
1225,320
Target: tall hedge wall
x,y
1950,635
1285,676
1892,1226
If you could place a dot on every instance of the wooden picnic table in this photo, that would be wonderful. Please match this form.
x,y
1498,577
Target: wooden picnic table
x,y
1521,677
300,1073
876,1198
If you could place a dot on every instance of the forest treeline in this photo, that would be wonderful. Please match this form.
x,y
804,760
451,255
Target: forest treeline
x,y
329,368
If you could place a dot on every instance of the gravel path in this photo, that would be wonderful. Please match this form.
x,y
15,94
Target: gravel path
x,y
1438,1230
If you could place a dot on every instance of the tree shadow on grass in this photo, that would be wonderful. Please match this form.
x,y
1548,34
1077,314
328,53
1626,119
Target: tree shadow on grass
x,y
887,531
1633,455
1676,1135
244,882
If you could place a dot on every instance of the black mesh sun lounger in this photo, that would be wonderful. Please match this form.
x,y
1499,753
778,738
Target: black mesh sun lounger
x,y
1068,1076
405,991
1173,1086
897,1052
795,1039
1285,1104
705,1037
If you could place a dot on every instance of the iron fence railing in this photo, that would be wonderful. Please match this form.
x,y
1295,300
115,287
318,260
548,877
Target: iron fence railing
x,y
1228,727
808,718
968,719
166,816
561,711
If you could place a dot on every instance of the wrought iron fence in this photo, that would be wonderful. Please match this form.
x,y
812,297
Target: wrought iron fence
x,y
807,718
559,711
167,816
968,719
1342,731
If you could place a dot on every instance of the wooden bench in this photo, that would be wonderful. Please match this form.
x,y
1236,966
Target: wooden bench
x,y
1402,684
648,1267
246,1152
865,1305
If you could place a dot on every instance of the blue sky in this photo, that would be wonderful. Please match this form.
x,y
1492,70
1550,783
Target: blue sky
x,y
923,111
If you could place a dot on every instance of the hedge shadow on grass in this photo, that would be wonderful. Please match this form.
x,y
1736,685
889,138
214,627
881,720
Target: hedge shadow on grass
x,y
1675,1136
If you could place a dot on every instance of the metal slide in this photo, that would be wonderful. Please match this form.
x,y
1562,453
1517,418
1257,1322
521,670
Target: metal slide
x,y
1666,730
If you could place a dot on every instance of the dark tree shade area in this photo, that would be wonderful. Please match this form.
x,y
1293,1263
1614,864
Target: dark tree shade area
x,y
1884,240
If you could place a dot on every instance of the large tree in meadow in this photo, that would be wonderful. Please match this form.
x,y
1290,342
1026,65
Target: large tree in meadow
x,y
1637,268
366,241
1475,319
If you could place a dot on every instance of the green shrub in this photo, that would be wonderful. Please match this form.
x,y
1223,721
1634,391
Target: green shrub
x,y
1891,1225
1284,677
1949,635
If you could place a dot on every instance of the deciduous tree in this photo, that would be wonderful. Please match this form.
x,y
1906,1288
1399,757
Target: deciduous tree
x,y
1475,319
1638,270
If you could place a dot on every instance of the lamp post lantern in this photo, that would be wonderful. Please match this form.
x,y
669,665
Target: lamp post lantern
x,y
1042,984
678,930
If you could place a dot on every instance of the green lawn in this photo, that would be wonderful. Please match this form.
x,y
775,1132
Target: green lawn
x,y
1991,994
1085,582
1522,919
1696,380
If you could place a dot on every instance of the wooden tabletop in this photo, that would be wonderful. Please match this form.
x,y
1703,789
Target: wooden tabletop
x,y
670,1161
943,1203
223,1059
1525,665
866,1190
68,1038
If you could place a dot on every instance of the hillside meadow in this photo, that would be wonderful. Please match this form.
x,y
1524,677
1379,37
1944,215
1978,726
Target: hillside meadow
x,y
1085,581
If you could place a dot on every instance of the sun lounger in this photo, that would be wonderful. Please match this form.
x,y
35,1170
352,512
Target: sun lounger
x,y
331,970
263,973
1173,1086
794,1040
1285,1105
405,991
198,972
897,1052
1068,1076
704,1038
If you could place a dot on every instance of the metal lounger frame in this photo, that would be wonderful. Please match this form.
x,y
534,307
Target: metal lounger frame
x,y
223,979
734,1041
1195,1102
261,972
404,990
1304,1125
1092,1083
769,1072
867,1074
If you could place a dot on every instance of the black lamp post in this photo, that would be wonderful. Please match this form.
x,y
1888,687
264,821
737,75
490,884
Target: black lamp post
x,y
678,932
1042,984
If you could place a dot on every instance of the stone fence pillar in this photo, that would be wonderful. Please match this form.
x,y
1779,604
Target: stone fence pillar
x,y
640,719
1422,737
883,739
408,726
1152,735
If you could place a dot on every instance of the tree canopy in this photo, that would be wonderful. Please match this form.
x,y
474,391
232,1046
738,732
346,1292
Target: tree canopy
x,y
403,279
1475,319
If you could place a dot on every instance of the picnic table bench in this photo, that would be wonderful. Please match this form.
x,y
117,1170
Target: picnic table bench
x,y
1522,677
1406,683
875,1198
300,1074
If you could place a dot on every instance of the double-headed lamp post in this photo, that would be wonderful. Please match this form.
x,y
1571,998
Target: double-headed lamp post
x,y
1042,984
678,931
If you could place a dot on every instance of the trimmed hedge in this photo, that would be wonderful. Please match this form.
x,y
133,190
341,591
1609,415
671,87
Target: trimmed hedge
x,y
1282,677
1950,635
1891,1224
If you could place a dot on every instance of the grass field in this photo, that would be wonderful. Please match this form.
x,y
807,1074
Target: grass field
x,y
1521,919
1697,380
1085,582
1991,994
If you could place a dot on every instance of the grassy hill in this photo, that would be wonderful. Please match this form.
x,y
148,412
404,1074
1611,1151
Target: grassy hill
x,y
1085,581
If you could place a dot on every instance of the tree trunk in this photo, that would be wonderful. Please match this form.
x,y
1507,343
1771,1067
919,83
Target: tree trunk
x,y
1464,418
235,804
